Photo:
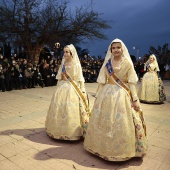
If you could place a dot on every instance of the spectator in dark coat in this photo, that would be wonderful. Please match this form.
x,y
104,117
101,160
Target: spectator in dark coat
x,y
2,77
28,74
46,75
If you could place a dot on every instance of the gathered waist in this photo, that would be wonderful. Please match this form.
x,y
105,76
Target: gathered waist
x,y
123,84
110,81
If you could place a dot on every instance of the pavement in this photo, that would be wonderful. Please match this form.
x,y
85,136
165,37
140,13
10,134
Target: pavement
x,y
24,144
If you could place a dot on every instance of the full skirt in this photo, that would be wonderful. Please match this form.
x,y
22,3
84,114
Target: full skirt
x,y
115,130
63,119
151,89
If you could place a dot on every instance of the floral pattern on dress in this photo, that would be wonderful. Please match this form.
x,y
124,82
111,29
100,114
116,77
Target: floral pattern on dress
x,y
151,89
115,130
67,118
162,96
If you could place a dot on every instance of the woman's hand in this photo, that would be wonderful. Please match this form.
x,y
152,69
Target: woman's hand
x,y
136,105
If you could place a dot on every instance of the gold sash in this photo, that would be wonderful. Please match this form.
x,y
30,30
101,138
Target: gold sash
x,y
121,84
78,91
84,116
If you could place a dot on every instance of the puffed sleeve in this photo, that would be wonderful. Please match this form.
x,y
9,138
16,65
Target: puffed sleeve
x,y
145,67
100,85
79,77
78,73
59,74
132,81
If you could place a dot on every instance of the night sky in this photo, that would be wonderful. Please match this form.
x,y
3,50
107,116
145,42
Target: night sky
x,y
138,23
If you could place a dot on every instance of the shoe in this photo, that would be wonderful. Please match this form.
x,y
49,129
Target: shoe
x,y
42,85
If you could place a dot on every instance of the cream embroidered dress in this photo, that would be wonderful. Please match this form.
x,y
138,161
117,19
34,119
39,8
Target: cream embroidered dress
x,y
151,89
63,119
115,131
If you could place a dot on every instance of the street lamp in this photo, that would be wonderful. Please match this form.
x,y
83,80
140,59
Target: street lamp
x,y
57,45
137,52
57,49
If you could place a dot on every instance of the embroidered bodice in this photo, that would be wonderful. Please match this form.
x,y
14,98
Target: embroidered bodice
x,y
152,67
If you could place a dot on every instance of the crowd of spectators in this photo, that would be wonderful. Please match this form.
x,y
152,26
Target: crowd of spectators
x,y
22,74
19,73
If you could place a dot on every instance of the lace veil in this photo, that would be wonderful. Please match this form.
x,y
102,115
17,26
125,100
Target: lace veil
x,y
102,75
154,62
76,63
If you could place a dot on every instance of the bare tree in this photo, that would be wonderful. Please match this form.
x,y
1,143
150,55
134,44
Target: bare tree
x,y
35,23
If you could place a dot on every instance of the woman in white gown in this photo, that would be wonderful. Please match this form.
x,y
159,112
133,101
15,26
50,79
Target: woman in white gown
x,y
115,130
64,117
151,89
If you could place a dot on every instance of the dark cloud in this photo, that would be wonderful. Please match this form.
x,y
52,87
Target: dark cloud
x,y
138,23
